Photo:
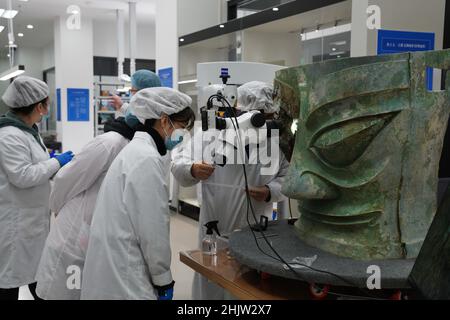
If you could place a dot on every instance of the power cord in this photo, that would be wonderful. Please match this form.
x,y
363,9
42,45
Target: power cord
x,y
278,257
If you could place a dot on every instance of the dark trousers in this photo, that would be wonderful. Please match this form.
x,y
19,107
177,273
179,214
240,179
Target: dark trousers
x,y
13,294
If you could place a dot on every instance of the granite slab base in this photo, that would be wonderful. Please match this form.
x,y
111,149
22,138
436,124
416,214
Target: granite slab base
x,y
285,240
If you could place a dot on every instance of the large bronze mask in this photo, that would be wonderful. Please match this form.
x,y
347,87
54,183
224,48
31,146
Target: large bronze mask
x,y
366,156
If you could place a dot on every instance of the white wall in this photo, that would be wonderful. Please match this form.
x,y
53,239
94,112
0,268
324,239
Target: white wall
x,y
105,40
280,48
48,56
196,15
31,58
409,15
191,56
405,15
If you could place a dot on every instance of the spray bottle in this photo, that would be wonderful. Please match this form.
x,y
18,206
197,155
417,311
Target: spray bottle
x,y
209,242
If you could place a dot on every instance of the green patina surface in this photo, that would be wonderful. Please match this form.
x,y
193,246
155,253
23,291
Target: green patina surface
x,y
364,164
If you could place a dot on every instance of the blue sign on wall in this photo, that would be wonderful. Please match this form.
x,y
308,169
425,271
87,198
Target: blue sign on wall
x,y
166,76
391,41
58,104
78,104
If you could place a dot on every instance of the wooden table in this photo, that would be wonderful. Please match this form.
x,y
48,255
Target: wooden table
x,y
242,282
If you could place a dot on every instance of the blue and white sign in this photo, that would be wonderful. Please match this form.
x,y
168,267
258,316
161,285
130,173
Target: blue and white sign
x,y
78,104
391,41
166,76
58,104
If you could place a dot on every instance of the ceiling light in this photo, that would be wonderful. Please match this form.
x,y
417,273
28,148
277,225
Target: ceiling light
x,y
275,9
334,49
339,43
337,53
328,32
30,26
222,26
8,55
188,81
12,73
10,14
20,34
181,40
338,57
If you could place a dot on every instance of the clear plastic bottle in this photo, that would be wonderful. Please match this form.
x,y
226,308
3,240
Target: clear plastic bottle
x,y
209,242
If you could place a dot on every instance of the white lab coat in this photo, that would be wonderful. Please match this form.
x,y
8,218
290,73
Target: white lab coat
x,y
73,197
129,245
25,172
224,199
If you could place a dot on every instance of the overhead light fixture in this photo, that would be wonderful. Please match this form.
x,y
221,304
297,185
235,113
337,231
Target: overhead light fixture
x,y
275,9
339,43
221,26
337,53
181,39
328,32
12,73
20,34
9,14
188,81
334,49
30,26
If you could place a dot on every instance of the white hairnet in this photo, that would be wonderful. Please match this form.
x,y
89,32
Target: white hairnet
x,y
25,91
152,103
256,95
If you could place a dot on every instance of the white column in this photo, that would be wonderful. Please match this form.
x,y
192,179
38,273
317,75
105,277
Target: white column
x,y
167,37
74,70
359,28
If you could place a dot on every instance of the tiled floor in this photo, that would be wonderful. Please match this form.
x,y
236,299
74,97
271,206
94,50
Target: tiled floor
x,y
184,237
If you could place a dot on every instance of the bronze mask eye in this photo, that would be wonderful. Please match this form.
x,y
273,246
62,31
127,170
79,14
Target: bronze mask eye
x,y
342,144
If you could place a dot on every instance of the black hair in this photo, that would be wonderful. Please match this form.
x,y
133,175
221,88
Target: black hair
x,y
26,111
186,116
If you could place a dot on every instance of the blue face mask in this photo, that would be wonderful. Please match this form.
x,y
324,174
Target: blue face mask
x,y
175,139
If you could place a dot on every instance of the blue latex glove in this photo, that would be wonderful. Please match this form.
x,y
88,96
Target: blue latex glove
x,y
165,292
166,295
64,158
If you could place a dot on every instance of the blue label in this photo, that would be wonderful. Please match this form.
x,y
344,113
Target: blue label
x,y
58,104
166,76
78,104
391,41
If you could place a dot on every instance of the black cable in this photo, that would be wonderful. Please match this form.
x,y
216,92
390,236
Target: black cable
x,y
290,209
249,203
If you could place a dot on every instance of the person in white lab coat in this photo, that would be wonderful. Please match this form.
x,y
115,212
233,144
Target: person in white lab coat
x,y
223,195
74,193
25,172
129,253
141,79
